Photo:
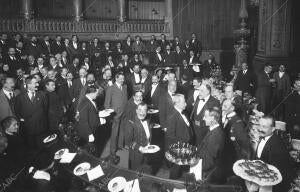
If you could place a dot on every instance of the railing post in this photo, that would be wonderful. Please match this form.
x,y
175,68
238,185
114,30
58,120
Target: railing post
x,y
123,10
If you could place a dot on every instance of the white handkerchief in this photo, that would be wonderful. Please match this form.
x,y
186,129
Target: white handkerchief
x,y
95,173
42,175
179,190
197,170
132,186
67,157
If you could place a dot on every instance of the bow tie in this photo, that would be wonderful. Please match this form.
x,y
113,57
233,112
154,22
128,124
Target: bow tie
x,y
144,120
202,100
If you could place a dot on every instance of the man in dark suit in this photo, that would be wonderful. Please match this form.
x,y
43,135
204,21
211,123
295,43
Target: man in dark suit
x,y
184,86
116,99
7,98
74,67
138,46
178,55
146,81
56,107
57,46
178,129
89,120
127,45
154,95
245,80
152,44
165,106
74,47
138,136
33,48
79,82
193,95
272,150
237,142
157,58
169,57
203,102
45,46
12,60
163,42
133,79
192,59
4,43
282,89
53,65
31,109
211,148
263,90
196,45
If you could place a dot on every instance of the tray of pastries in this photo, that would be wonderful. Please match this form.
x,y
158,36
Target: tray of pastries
x,y
182,154
257,171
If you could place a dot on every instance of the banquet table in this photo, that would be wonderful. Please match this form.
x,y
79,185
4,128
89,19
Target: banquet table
x,y
146,181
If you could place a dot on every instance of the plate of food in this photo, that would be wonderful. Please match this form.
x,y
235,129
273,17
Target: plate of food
x,y
117,184
257,171
82,168
155,126
60,153
182,154
152,149
50,138
152,111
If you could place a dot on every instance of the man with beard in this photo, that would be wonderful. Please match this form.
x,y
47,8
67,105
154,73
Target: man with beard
x,y
31,109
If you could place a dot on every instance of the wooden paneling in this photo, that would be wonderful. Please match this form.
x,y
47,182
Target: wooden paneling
x,y
141,9
9,8
101,9
212,20
54,8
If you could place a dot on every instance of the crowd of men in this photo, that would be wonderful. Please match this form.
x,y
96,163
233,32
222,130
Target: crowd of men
x,y
49,82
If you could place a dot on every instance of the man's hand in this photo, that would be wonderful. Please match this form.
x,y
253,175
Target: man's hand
x,y
142,149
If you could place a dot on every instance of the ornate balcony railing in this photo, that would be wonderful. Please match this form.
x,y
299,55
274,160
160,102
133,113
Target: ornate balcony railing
x,y
91,27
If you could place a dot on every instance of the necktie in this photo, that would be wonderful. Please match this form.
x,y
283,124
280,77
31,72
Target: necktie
x,y
120,87
11,95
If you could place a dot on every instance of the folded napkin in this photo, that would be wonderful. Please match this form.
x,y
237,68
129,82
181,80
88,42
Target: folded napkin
x,y
95,173
67,157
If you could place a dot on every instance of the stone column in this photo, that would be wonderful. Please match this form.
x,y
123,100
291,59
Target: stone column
x,y
122,10
273,33
169,16
78,11
27,9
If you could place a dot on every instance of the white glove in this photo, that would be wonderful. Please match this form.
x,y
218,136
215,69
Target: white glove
x,y
91,138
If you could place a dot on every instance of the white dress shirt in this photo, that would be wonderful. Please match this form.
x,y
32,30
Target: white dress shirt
x,y
201,104
159,56
137,77
196,94
143,80
153,89
280,74
146,129
183,116
83,81
75,45
225,118
244,72
69,83
261,145
9,94
191,60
